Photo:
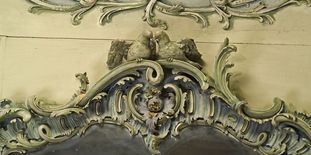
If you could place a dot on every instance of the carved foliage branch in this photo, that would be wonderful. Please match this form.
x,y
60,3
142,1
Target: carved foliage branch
x,y
155,99
226,9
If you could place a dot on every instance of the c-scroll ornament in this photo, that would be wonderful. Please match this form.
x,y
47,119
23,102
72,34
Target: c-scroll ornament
x,y
155,89
226,9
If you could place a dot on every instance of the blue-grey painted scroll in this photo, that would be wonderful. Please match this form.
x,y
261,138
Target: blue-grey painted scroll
x,y
196,9
155,89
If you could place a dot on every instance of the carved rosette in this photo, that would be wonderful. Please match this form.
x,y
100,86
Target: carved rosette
x,y
198,10
155,99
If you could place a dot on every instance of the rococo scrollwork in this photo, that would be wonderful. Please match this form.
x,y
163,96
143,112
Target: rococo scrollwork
x,y
197,9
155,89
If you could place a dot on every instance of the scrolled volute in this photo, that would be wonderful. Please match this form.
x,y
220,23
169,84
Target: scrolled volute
x,y
157,99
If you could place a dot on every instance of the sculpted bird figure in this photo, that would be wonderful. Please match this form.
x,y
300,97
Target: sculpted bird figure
x,y
141,48
118,51
167,49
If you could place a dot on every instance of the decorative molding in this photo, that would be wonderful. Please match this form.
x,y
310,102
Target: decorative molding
x,y
198,9
157,92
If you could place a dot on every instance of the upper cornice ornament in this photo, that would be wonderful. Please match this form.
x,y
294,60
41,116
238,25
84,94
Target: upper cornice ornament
x,y
197,9
155,89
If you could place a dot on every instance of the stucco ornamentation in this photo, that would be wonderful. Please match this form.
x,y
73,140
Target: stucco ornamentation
x,y
156,98
197,9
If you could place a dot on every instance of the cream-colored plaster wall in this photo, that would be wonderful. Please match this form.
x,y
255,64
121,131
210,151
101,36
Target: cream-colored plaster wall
x,y
39,54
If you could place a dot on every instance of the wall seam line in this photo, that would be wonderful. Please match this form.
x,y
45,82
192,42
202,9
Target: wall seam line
x,y
110,39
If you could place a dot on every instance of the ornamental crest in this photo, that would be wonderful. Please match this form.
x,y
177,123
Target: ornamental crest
x,y
155,89
196,9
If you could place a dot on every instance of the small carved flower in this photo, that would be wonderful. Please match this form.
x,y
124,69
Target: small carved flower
x,y
155,106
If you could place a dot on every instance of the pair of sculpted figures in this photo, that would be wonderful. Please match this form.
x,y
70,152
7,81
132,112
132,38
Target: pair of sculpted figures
x,y
155,89
153,47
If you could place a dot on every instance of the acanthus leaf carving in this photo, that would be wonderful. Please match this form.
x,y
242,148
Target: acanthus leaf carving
x,y
155,96
226,9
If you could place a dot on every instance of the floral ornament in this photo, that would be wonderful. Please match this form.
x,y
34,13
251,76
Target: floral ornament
x,y
226,9
155,106
155,99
